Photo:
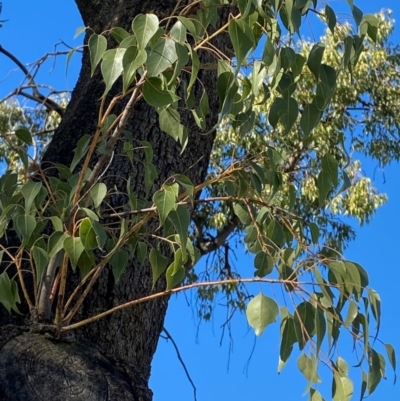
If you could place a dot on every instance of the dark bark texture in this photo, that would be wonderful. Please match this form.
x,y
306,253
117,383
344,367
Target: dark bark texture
x,y
114,361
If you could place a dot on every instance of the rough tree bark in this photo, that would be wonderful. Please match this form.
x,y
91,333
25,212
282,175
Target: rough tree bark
x,y
114,361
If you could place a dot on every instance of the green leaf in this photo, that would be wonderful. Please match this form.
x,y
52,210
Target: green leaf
x,y
9,296
310,118
263,263
352,313
261,311
180,218
161,57
119,262
315,58
155,95
158,264
101,236
304,322
308,366
178,32
119,34
80,150
320,328
24,135
74,248
342,388
87,234
85,263
242,39
56,243
288,340
98,193
141,251
144,27
131,61
374,374
325,185
330,165
41,259
150,174
165,201
330,18
29,191
112,67
97,46
186,183
24,226
242,212
175,272
169,120
392,357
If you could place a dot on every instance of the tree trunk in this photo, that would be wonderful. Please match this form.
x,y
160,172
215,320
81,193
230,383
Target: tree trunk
x,y
111,358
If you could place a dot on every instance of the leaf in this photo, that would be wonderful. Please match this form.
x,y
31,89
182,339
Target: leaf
x,y
97,46
165,201
87,235
24,135
352,313
374,373
85,263
155,95
242,212
180,218
242,39
175,272
118,262
161,57
29,191
315,58
169,120
330,18
80,151
392,357
98,193
304,322
325,185
119,34
9,296
74,248
41,259
101,236
178,32
131,61
330,165
342,389
263,263
261,311
186,183
158,264
112,67
308,366
310,118
24,226
288,340
56,243
144,27
320,328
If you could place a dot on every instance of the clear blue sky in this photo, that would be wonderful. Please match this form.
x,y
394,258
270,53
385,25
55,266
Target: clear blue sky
x,y
32,30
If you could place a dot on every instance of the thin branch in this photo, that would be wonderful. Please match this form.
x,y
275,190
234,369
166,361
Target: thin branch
x,y
178,354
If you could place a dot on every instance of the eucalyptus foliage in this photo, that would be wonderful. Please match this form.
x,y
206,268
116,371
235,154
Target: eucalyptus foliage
x,y
281,173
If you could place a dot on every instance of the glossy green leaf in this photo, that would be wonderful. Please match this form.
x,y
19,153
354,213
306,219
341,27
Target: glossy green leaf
x,y
261,311
308,366
288,339
304,322
330,18
374,373
325,185
178,32
119,34
342,388
169,120
175,272
56,242
310,118
315,58
391,354
186,183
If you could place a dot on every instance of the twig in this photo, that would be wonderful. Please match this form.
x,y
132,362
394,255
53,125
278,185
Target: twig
x,y
178,354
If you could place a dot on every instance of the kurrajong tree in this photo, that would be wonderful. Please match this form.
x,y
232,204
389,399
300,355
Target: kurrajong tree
x,y
175,139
